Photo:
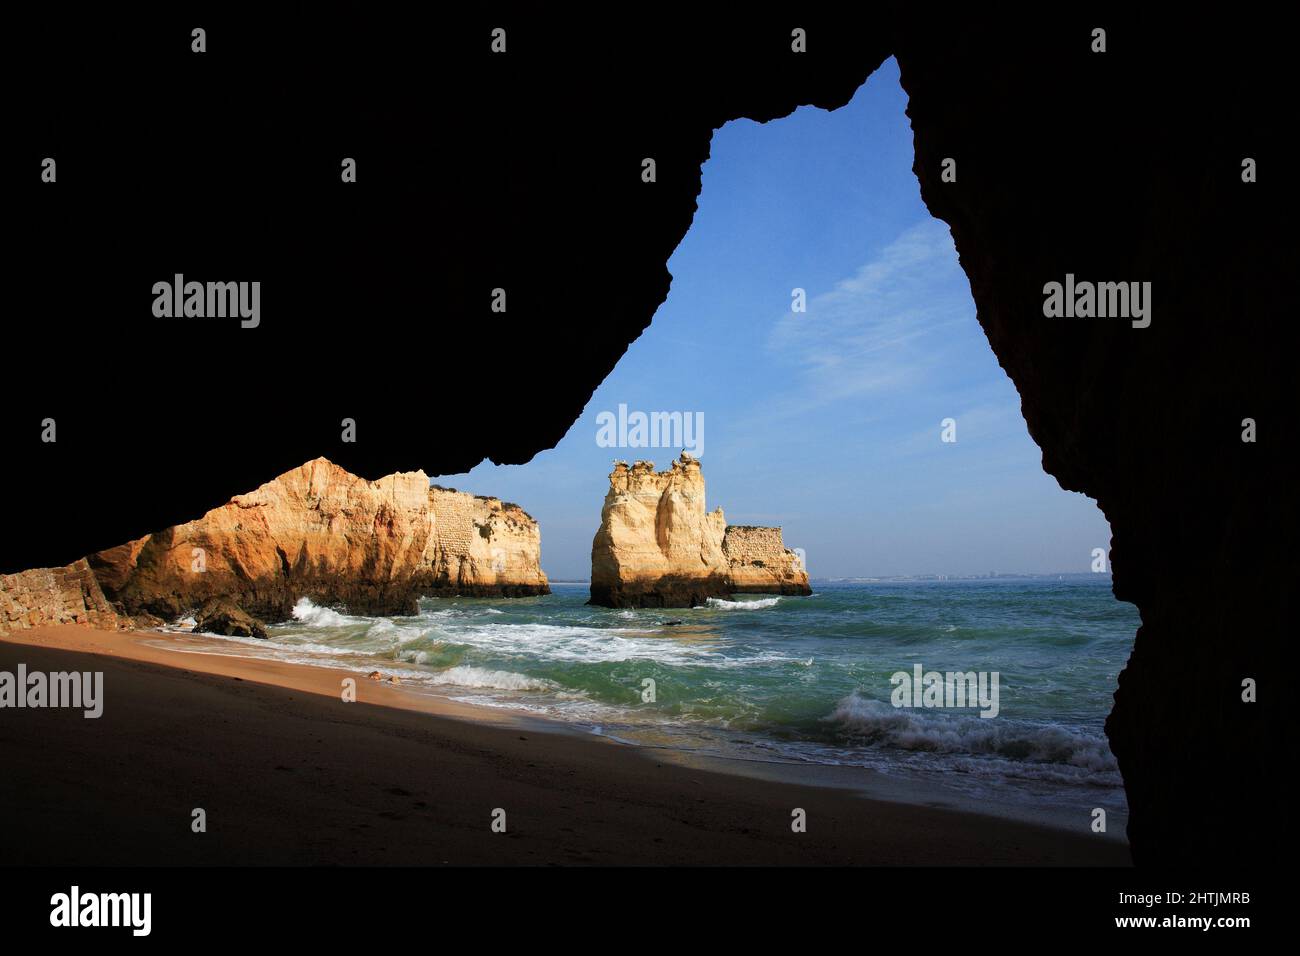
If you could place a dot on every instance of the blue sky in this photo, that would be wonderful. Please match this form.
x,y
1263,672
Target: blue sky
x,y
825,422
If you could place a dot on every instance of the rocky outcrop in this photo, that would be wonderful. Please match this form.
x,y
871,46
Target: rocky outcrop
x,y
657,546
67,595
371,547
758,562
482,547
223,616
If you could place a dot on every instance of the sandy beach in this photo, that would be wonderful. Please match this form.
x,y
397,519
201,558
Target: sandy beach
x,y
287,772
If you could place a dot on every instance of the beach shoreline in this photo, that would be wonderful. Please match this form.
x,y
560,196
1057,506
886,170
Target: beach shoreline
x,y
287,772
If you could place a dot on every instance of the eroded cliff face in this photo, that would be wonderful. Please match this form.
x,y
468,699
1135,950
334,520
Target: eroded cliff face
x,y
67,595
758,562
658,546
322,533
482,547
1147,421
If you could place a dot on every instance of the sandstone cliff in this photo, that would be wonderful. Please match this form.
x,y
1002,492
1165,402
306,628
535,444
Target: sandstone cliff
x,y
758,562
67,595
657,546
320,532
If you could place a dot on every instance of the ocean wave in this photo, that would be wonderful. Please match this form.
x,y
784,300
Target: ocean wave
x,y
313,616
568,644
272,646
465,676
397,635
315,655
745,605
876,722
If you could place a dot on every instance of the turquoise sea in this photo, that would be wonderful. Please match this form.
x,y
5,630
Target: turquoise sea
x,y
796,680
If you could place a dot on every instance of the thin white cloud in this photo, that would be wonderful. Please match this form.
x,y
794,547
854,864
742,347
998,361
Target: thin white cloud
x,y
884,326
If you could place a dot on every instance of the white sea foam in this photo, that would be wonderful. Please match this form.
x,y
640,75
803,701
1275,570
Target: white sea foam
x,y
877,722
313,616
263,644
313,655
413,657
744,605
588,645
463,676
395,635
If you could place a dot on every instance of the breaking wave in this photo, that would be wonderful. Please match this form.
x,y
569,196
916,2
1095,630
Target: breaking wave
x,y
314,616
744,605
874,722
463,676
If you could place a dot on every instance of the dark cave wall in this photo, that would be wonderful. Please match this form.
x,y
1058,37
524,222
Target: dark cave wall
x,y
1116,166
1127,166
475,172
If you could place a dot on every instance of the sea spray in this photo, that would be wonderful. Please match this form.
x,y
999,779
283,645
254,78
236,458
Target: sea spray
x,y
877,723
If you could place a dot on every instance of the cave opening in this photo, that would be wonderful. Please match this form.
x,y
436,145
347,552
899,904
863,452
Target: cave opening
x,y
1158,427
820,322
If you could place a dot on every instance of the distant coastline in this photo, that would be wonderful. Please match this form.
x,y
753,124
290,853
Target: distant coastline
x,y
991,576
916,578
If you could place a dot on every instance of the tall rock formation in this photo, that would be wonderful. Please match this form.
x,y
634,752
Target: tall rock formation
x,y
657,546
320,532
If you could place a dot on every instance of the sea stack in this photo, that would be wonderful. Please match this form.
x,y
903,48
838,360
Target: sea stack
x,y
658,547
320,532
